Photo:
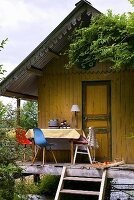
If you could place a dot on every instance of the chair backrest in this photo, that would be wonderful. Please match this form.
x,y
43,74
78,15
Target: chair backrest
x,y
21,136
39,137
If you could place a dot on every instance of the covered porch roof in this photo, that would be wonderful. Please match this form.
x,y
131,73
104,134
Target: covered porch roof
x,y
22,81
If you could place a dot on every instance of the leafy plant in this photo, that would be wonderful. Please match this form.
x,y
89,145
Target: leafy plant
x,y
132,2
21,190
2,43
48,184
108,38
8,168
29,115
7,115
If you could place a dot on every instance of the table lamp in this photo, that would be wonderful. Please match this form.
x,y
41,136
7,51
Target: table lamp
x,y
75,108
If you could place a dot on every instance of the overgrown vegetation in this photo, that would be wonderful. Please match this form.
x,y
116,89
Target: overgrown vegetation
x,y
28,115
8,168
10,187
108,38
46,186
2,44
8,154
132,2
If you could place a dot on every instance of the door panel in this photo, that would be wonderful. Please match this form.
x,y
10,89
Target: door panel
x,y
97,123
94,94
102,151
96,113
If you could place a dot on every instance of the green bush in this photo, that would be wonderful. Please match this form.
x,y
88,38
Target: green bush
x,y
8,168
48,184
11,189
29,187
21,190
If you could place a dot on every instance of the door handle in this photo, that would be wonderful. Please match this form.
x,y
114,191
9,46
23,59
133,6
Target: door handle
x,y
85,118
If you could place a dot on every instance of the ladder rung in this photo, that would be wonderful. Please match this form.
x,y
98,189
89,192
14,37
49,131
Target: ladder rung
x,y
71,178
81,152
82,192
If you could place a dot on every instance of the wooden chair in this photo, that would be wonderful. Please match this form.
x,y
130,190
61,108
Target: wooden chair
x,y
41,143
22,140
82,147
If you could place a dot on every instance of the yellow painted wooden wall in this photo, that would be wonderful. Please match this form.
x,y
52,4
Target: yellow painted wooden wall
x,y
60,88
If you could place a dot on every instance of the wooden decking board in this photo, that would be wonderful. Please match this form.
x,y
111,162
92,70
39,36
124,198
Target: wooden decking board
x,y
123,171
71,178
82,192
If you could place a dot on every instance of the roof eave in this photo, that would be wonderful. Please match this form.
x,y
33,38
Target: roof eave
x,y
27,62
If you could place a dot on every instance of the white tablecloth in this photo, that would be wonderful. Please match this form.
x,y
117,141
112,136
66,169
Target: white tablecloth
x,y
57,133
60,137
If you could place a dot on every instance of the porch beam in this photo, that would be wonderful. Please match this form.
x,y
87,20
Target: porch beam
x,y
115,172
18,111
20,95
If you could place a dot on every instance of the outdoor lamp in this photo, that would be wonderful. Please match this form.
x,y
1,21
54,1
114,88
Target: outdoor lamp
x,y
75,108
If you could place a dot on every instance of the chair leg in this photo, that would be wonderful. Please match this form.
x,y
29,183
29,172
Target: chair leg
x,y
35,149
24,153
76,151
35,156
53,155
44,156
89,155
76,148
94,154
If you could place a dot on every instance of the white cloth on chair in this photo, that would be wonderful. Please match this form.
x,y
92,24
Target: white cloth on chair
x,y
91,138
92,142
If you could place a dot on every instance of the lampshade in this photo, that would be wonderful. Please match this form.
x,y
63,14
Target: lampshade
x,y
75,108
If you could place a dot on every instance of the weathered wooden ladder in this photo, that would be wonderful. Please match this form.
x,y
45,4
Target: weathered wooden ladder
x,y
101,182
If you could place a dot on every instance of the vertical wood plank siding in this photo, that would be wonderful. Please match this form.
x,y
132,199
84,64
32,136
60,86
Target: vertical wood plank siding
x,y
60,88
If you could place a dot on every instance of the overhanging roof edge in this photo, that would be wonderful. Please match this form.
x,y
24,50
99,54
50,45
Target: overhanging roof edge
x,y
60,27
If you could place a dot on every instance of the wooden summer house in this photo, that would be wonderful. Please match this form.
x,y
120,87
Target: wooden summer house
x,y
105,98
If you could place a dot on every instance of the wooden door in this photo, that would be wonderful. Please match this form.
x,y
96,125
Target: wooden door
x,y
97,114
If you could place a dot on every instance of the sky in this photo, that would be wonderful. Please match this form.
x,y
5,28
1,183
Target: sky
x,y
26,23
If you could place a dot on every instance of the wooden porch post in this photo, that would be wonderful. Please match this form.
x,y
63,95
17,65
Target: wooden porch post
x,y
18,111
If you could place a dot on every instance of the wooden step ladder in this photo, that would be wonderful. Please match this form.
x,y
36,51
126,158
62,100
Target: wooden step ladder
x,y
85,192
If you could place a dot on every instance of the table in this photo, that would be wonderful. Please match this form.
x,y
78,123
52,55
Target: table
x,y
70,134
